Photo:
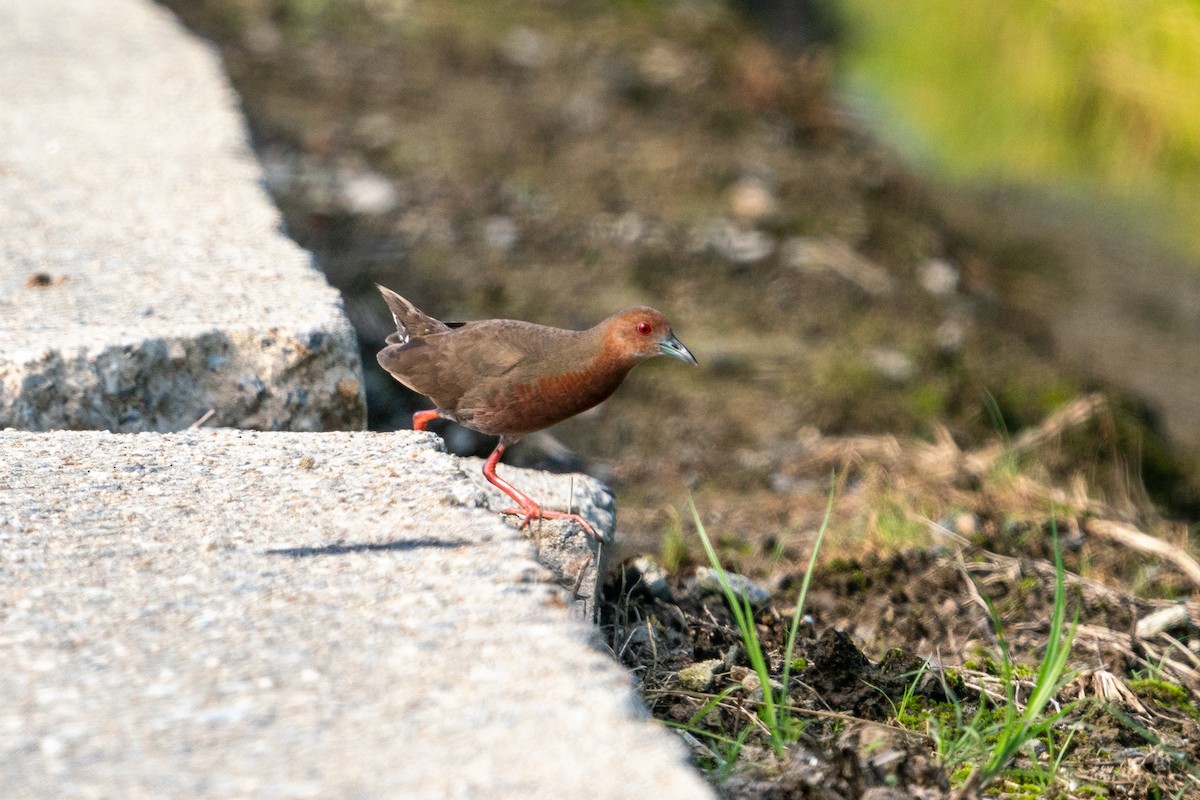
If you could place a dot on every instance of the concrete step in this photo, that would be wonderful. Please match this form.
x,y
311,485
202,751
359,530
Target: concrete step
x,y
279,615
224,613
144,275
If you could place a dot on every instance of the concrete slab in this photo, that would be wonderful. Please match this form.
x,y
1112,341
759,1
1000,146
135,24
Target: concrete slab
x,y
279,615
144,276
229,613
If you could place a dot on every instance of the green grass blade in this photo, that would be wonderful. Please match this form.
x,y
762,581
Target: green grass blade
x,y
743,615
790,648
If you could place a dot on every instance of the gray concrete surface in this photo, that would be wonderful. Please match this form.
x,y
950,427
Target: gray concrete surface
x,y
144,278
281,615
228,614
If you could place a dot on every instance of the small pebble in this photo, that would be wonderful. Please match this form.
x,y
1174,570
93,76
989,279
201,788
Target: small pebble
x,y
751,198
892,364
583,112
654,579
366,193
742,246
707,580
663,65
525,47
938,277
949,337
500,233
699,676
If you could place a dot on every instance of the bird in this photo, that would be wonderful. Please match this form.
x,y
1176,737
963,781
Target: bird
x,y
509,378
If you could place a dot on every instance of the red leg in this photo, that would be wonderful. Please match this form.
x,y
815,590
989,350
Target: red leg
x,y
528,508
421,419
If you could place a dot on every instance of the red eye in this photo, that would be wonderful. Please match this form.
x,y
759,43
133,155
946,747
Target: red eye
x,y
644,328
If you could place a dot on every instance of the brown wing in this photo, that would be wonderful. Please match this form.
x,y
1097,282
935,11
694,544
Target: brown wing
x,y
447,366
509,396
493,376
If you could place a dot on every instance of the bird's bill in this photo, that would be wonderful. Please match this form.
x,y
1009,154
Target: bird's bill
x,y
671,346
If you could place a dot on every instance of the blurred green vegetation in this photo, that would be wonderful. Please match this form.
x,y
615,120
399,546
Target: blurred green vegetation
x,y
1075,95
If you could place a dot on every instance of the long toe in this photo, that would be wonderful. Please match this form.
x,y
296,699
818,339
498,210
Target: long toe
x,y
583,523
525,514
528,515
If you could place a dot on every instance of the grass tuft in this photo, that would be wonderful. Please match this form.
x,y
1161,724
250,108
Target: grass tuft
x,y
994,736
781,726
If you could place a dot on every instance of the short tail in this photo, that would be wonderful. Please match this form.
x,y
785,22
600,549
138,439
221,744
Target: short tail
x,y
410,320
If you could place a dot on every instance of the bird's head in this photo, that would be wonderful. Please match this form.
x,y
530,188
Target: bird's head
x,y
639,333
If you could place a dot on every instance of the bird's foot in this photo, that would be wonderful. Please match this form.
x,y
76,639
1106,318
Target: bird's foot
x,y
421,419
530,513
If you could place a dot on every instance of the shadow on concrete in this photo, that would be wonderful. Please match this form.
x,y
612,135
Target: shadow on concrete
x,y
339,549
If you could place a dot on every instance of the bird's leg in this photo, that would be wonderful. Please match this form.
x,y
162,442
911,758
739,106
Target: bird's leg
x,y
421,419
528,507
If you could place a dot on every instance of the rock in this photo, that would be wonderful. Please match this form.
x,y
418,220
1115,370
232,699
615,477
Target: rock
x,y
627,229
500,233
781,482
663,65
1034,748
707,580
738,245
938,277
753,685
892,364
362,191
949,337
965,524
653,579
279,166
375,131
525,47
583,112
699,676
811,254
751,198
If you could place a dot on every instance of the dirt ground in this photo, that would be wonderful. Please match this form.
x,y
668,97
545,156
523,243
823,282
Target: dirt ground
x,y
540,162
868,623
899,646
